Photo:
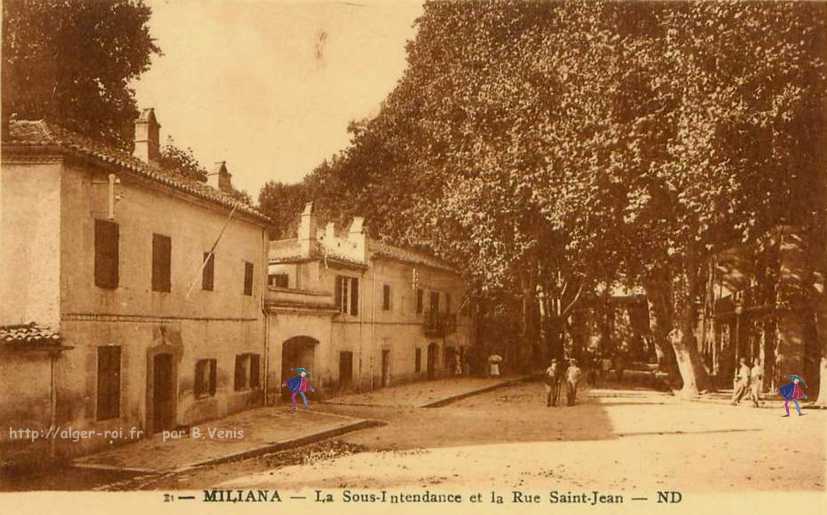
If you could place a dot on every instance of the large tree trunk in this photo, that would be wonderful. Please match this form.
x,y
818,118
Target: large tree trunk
x,y
660,312
681,337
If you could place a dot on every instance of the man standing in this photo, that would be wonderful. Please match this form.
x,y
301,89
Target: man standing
x,y
572,378
756,382
793,392
741,382
552,378
494,361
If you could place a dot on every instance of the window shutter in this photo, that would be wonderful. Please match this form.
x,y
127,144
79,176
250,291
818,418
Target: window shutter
x,y
161,259
339,280
255,370
354,297
239,372
107,236
248,278
208,275
386,297
419,300
199,378
213,367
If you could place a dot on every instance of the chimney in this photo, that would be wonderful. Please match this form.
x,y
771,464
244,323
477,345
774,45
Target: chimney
x,y
307,229
356,236
330,232
147,130
220,178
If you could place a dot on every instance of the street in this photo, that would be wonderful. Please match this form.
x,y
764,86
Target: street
x,y
622,439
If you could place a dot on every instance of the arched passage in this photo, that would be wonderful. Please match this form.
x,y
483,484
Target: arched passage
x,y
298,351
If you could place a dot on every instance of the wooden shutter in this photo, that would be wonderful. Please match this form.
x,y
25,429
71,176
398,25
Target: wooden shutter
x,y
386,297
339,280
198,387
208,275
418,364
434,301
107,236
109,382
161,262
248,278
240,372
354,296
419,300
213,371
255,370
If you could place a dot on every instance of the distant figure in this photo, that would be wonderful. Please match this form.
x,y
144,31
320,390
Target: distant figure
x,y
298,385
593,369
572,378
793,392
741,381
756,381
494,361
457,365
552,379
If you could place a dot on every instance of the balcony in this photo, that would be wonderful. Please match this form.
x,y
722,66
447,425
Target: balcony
x,y
439,324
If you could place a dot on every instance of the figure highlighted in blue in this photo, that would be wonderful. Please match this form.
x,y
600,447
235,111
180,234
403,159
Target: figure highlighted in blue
x,y
298,385
793,392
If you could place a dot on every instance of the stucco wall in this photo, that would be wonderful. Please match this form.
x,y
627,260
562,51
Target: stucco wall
x,y
30,207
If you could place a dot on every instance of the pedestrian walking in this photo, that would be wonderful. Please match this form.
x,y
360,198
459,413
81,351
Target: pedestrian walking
x,y
457,365
573,374
494,361
552,379
298,385
793,391
740,382
756,382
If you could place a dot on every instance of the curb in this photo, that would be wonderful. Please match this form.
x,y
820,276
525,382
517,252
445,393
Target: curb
x,y
454,398
258,451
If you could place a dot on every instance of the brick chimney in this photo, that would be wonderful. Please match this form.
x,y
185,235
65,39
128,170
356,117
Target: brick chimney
x,y
356,236
307,229
220,178
147,131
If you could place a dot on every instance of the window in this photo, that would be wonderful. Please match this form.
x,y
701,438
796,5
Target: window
x,y
418,361
106,254
208,274
386,297
420,300
161,259
248,278
205,371
109,382
278,280
434,301
448,303
347,294
247,371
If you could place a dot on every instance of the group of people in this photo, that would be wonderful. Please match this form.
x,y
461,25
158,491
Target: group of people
x,y
558,373
748,382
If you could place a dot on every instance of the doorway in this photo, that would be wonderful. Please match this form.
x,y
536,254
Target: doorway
x,y
163,393
433,354
345,369
386,368
296,352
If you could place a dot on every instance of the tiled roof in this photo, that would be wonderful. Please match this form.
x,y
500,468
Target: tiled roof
x,y
29,334
42,134
380,248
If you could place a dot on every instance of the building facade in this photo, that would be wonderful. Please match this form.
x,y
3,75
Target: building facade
x,y
121,312
361,314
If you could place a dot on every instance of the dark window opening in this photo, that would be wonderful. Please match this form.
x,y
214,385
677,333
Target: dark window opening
x,y
279,280
109,382
386,297
420,300
248,278
107,236
161,262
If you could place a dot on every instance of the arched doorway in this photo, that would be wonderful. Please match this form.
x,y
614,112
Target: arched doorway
x,y
299,351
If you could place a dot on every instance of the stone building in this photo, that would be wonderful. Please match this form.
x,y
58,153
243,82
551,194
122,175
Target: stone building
x,y
113,317
361,314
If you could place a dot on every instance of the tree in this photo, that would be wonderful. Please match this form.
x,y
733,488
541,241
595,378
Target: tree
x,y
72,62
183,161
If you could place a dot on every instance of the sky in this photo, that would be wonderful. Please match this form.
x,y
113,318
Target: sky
x,y
270,86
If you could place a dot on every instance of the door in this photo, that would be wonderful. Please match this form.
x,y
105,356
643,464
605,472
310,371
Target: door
x,y
163,394
386,367
432,357
345,369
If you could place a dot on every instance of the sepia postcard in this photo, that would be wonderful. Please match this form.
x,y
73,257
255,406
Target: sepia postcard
x,y
414,256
